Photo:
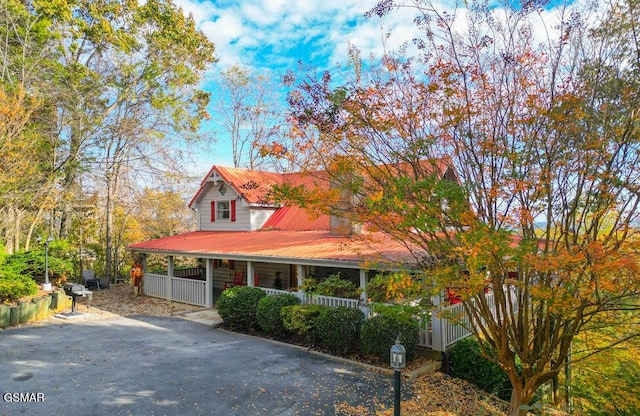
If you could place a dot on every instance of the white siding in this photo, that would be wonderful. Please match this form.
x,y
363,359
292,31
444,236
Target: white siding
x,y
247,218
259,217
243,215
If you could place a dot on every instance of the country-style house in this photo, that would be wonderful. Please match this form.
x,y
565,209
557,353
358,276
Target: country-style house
x,y
243,236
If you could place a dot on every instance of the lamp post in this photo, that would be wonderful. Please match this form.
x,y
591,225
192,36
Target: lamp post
x,y
397,357
46,286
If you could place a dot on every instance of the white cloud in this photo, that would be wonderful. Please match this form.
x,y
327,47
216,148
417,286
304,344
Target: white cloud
x,y
276,34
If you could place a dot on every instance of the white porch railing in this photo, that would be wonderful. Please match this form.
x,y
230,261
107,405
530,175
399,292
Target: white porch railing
x,y
322,300
443,328
271,292
451,323
188,291
155,285
425,333
180,290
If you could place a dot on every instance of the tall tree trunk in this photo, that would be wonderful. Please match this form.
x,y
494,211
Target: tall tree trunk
x,y
10,229
16,229
70,184
109,226
112,177
521,396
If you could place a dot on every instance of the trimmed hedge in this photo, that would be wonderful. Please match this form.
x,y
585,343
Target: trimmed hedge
x,y
14,286
238,305
338,329
268,312
379,333
301,320
467,363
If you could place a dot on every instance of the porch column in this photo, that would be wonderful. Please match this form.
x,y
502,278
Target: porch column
x,y
250,281
300,274
169,276
143,264
438,338
208,285
364,306
363,285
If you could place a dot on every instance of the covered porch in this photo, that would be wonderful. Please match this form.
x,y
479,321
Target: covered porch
x,y
202,285
439,328
278,262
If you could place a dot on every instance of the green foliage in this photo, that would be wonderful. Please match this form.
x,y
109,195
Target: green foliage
x,y
380,332
619,366
277,282
338,329
333,285
268,312
401,311
32,264
3,253
395,286
14,286
468,363
620,394
238,305
301,320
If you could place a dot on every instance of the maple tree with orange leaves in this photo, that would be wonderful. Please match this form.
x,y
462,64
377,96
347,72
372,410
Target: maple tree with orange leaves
x,y
497,159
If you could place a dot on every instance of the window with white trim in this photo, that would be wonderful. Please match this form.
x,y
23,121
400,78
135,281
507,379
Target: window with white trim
x,y
223,210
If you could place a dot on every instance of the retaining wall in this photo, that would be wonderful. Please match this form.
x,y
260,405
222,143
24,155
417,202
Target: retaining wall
x,y
35,310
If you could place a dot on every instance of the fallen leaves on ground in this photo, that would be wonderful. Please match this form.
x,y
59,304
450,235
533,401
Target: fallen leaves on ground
x,y
438,394
121,300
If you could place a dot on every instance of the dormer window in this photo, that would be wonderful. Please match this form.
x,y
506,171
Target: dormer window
x,y
223,211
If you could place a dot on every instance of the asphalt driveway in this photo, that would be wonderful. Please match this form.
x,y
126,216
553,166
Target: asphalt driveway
x,y
171,366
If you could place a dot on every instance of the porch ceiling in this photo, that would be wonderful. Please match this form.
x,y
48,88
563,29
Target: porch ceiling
x,y
281,246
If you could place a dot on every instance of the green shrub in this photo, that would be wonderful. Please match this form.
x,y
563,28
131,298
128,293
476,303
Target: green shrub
x,y
14,286
467,362
333,285
301,320
338,329
32,264
379,333
268,312
237,306
395,286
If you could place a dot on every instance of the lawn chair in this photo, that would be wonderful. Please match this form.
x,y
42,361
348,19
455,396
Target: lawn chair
x,y
89,279
104,282
237,281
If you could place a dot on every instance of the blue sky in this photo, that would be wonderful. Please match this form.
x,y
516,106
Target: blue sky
x,y
273,35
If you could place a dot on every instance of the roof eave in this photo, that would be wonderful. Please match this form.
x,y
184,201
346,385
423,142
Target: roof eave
x,y
349,264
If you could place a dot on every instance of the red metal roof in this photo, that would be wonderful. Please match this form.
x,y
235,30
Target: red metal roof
x,y
254,185
290,233
296,219
282,245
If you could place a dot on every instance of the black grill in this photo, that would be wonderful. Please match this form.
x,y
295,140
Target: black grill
x,y
69,288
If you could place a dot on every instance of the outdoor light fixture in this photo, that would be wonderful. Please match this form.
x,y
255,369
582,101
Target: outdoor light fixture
x,y
398,360
46,286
